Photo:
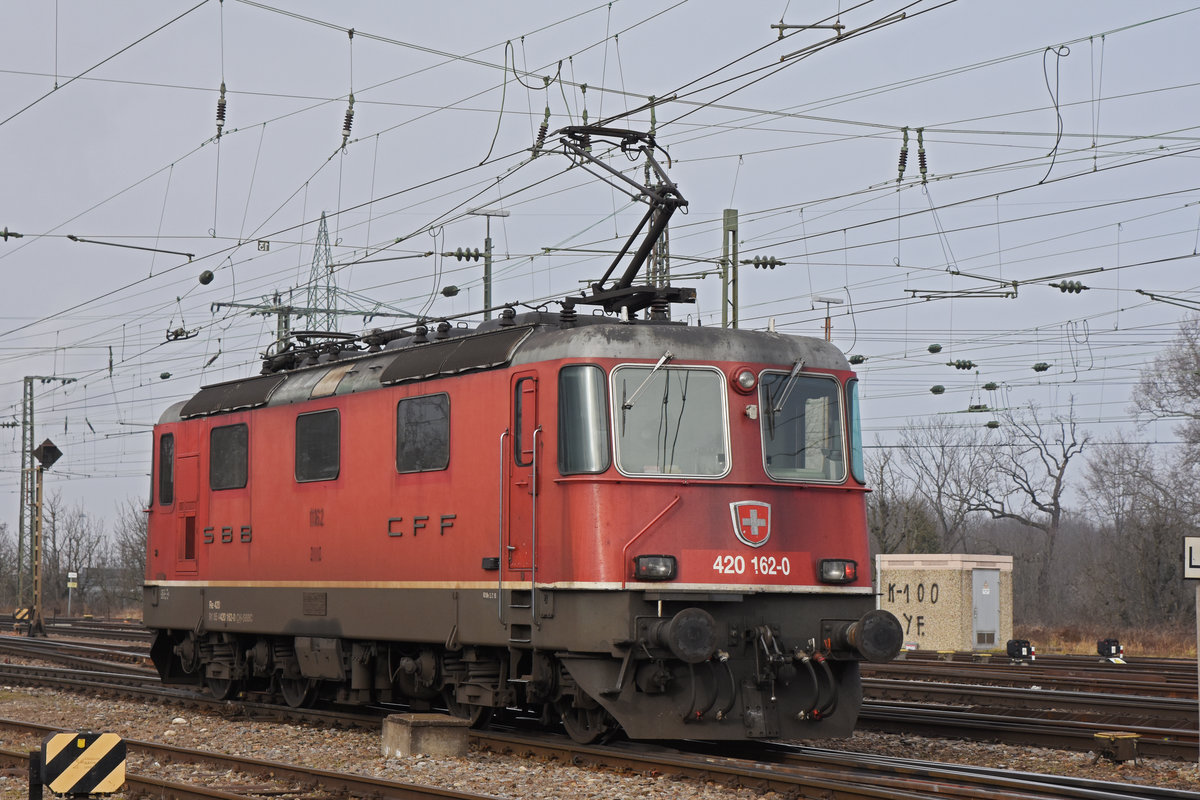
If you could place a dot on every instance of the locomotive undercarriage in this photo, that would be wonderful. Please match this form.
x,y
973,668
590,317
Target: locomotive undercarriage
x,y
743,666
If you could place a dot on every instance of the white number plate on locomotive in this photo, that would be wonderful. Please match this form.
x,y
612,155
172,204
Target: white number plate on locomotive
x,y
745,567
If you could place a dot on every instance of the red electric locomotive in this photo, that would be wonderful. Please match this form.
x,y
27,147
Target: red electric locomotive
x,y
618,521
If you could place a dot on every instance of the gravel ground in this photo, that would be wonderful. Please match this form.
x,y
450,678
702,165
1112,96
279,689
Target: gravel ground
x,y
482,772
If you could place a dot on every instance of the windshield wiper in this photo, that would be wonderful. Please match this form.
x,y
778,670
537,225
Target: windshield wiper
x,y
666,357
787,387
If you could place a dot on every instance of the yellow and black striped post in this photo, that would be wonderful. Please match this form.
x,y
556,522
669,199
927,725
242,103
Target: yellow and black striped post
x,y
77,764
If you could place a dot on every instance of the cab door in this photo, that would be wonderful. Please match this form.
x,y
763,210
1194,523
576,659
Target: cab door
x,y
187,483
523,474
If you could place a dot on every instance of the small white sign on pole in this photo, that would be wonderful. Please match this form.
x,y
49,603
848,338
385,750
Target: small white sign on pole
x,y
1191,557
1191,569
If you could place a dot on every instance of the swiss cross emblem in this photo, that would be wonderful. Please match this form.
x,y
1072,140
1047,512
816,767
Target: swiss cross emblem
x,y
751,522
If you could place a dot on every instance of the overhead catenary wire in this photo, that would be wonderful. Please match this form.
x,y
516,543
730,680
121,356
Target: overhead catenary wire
x,y
371,209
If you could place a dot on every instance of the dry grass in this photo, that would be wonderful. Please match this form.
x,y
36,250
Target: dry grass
x,y
1163,642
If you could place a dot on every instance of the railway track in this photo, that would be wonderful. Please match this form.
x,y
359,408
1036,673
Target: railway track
x,y
1013,714
1143,677
1069,721
791,771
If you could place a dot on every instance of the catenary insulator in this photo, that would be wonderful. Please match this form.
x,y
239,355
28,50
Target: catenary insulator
x,y
348,124
903,155
221,110
921,153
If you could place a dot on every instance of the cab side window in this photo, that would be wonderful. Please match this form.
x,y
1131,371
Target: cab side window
x,y
318,446
166,469
423,433
228,457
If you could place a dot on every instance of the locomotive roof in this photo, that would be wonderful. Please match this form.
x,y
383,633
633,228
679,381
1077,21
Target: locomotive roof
x,y
523,339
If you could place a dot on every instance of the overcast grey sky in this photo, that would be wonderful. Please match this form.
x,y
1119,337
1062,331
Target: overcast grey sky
x,y
448,100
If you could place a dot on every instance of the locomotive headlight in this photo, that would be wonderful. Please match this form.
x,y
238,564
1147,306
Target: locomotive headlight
x,y
654,568
838,570
744,380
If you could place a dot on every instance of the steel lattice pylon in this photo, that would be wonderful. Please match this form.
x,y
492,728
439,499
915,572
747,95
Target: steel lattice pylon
x,y
322,290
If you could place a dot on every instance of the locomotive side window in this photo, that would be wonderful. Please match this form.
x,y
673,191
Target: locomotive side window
x,y
228,456
856,451
802,428
524,420
423,433
318,446
670,421
166,469
582,420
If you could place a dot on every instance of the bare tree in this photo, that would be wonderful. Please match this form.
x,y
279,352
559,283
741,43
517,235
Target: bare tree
x,y
940,459
1145,506
128,557
8,568
1023,478
899,520
1170,387
72,541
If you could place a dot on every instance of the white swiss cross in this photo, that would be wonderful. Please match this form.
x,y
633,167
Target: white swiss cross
x,y
751,522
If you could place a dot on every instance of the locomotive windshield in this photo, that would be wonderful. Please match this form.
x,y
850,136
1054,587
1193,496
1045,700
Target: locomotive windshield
x,y
802,428
676,424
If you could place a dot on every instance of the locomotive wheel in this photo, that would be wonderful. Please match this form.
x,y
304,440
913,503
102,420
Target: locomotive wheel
x,y
478,716
221,688
584,725
298,692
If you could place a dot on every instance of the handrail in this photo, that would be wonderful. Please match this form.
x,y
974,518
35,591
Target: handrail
x,y
500,551
638,535
533,543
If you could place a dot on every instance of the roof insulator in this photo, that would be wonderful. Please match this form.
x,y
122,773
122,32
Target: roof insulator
x,y
541,134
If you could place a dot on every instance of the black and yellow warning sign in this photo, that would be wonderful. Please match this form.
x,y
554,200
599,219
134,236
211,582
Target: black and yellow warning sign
x,y
22,614
83,763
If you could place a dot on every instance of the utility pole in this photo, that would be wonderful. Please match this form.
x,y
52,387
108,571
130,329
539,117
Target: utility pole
x,y
488,213
29,499
729,268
